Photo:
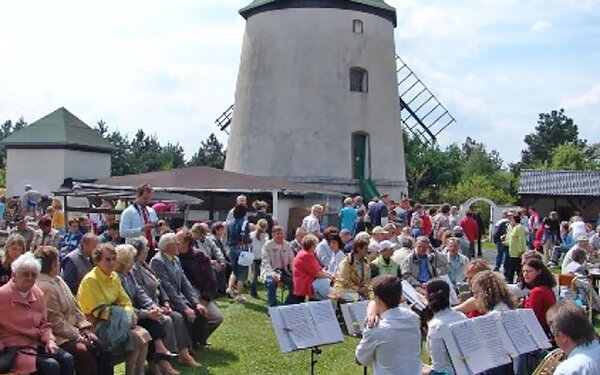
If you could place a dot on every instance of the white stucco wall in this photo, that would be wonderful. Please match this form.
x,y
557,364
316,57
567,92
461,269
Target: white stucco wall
x,y
86,165
294,112
46,169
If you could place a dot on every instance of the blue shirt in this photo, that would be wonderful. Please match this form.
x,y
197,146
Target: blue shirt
x,y
347,217
424,274
583,360
2,207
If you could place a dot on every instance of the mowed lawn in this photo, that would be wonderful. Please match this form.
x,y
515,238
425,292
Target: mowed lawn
x,y
246,344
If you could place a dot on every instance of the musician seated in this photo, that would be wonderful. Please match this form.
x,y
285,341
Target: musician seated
x,y
575,335
393,346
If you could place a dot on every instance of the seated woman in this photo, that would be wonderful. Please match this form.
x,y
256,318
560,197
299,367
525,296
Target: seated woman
x,y
71,239
25,325
438,301
470,307
540,281
149,315
309,278
184,299
198,269
72,331
13,248
102,286
178,337
353,279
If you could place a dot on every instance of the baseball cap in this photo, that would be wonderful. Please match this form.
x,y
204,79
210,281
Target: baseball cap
x,y
386,245
379,230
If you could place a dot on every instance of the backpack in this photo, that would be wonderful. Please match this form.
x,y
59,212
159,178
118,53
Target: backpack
x,y
239,233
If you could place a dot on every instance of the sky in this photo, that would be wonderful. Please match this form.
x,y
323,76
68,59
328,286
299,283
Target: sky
x,y
170,67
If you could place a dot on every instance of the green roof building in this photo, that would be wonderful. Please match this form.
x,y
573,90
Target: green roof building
x,y
53,148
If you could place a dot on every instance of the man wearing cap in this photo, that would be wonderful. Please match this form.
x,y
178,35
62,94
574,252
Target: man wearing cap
x,y
24,230
377,235
384,264
45,236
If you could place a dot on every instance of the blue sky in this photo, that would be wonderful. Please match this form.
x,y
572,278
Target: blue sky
x,y
171,67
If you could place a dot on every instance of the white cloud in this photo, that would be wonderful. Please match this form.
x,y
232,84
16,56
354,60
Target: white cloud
x,y
539,26
589,98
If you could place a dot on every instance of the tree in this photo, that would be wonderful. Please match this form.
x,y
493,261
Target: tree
x,y
553,129
210,153
571,157
475,186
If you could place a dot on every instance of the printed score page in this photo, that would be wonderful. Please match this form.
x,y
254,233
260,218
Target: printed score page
x,y
286,344
535,328
518,332
359,311
411,294
495,339
474,351
324,319
457,358
300,326
349,319
453,296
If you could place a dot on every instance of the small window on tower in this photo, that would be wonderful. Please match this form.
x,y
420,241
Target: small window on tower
x,y
357,26
359,80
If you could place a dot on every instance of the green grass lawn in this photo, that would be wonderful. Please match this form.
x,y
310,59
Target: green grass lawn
x,y
246,344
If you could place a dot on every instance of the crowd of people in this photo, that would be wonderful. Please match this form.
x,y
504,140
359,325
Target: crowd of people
x,y
129,288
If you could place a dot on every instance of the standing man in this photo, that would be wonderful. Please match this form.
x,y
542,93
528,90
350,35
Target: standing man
x,y
379,213
394,345
480,229
139,218
499,233
471,231
347,215
312,222
240,200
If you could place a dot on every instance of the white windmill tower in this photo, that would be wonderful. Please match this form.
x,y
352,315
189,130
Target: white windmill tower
x,y
317,96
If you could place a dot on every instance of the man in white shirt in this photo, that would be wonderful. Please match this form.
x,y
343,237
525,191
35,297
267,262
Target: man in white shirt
x,y
457,263
276,267
312,222
139,219
575,335
394,345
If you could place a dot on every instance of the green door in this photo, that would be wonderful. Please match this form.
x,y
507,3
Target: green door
x,y
359,147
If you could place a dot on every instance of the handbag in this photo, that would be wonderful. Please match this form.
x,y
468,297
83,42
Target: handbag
x,y
7,359
246,258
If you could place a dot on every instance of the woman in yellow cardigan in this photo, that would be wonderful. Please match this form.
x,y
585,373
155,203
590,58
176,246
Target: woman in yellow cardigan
x,y
102,286
353,278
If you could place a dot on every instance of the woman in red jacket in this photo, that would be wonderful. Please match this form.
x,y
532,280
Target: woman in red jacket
x,y
540,281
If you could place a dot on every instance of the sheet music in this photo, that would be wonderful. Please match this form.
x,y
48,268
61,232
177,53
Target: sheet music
x,y
327,326
453,296
411,294
476,355
300,326
534,327
490,331
359,310
349,319
286,344
518,332
455,354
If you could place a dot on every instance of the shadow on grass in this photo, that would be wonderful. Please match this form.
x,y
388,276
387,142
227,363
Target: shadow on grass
x,y
256,307
219,358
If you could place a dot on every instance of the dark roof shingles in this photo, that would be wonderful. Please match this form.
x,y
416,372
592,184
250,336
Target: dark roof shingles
x,y
562,183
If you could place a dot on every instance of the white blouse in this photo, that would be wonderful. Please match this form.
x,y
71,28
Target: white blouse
x,y
440,360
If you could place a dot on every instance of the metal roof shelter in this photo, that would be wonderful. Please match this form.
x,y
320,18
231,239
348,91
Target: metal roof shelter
x,y
212,189
561,191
